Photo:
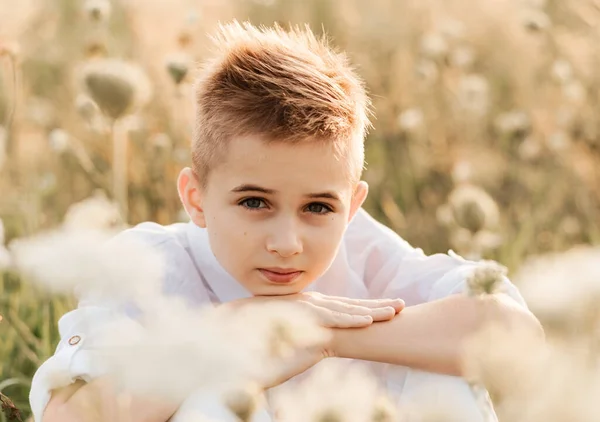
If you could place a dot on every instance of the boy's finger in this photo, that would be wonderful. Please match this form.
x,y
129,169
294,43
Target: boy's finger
x,y
335,319
339,306
378,314
397,304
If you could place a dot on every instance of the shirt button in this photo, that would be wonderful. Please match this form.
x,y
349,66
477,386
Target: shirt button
x,y
74,340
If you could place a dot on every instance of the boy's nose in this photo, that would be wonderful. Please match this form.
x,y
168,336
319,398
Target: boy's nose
x,y
285,242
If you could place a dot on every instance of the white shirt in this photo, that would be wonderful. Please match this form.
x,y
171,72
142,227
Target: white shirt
x,y
372,262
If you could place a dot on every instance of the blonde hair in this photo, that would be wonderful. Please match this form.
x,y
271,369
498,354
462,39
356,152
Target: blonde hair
x,y
285,86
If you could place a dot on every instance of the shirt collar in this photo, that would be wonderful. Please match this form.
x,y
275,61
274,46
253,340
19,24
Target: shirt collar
x,y
224,286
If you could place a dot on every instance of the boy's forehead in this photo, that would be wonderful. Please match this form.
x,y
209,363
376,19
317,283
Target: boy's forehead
x,y
303,165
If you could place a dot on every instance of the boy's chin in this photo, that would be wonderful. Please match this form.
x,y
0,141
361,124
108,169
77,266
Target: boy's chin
x,y
271,290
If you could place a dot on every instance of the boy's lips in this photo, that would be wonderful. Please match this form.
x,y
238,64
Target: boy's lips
x,y
280,275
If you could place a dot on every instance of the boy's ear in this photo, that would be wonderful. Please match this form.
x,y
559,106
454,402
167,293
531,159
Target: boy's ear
x,y
360,194
190,194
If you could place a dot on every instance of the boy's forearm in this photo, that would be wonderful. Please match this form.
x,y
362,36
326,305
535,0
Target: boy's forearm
x,y
97,402
430,336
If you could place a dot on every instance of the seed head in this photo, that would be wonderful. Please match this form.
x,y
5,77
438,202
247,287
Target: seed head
x,y
486,279
243,402
178,66
97,10
473,208
116,86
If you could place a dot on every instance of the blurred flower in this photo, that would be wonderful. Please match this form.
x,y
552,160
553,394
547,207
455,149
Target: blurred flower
x,y
411,119
86,108
473,208
83,261
333,390
574,91
244,401
48,183
10,49
514,122
434,46
161,141
562,70
530,149
58,139
563,289
570,226
462,57
427,70
536,20
116,86
40,111
473,94
384,410
178,66
486,279
3,146
94,213
5,260
181,155
97,10
453,29
558,141
461,172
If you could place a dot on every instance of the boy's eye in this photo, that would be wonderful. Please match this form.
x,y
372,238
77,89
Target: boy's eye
x,y
253,203
318,208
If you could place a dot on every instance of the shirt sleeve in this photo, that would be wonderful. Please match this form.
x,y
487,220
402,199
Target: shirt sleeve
x,y
84,330
74,356
391,267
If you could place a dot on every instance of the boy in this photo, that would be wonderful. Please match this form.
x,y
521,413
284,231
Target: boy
x,y
274,197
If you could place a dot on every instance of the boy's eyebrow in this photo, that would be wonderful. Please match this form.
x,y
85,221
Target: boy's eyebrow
x,y
253,188
256,188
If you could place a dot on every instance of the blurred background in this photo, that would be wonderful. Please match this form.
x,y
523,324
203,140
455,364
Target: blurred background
x,y
486,134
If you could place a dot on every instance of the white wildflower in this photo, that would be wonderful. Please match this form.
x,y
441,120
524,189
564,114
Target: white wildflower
x,y
574,92
512,122
411,119
530,149
94,213
58,139
558,141
427,70
462,57
452,29
3,146
462,171
486,279
473,94
5,260
333,390
562,287
85,262
434,46
48,182
40,111
562,70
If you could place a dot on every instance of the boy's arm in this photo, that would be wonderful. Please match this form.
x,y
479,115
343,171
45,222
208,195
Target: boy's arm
x,y
431,336
97,402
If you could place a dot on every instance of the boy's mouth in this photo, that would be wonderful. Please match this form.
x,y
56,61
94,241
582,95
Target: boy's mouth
x,y
280,275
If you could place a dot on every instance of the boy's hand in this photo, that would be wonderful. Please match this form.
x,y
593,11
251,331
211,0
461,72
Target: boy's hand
x,y
333,312
336,311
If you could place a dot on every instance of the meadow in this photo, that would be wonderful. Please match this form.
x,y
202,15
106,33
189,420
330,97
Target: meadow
x,y
486,141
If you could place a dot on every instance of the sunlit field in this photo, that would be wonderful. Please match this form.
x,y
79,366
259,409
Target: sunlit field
x,y
485,141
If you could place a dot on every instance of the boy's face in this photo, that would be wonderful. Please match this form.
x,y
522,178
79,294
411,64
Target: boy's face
x,y
275,213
